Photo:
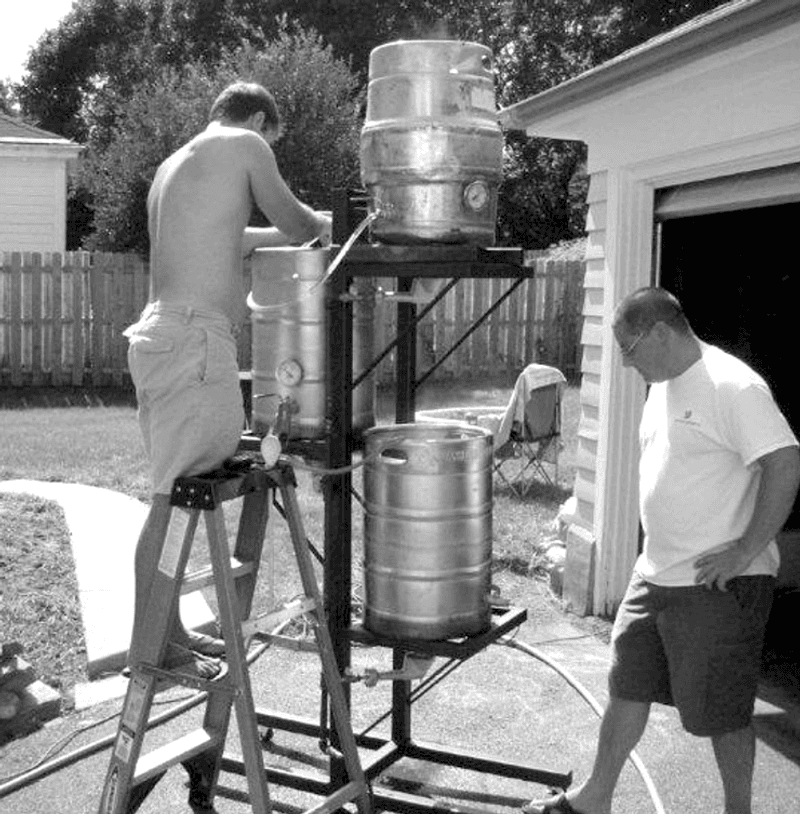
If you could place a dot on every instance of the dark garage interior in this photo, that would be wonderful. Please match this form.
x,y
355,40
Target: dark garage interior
x,y
736,274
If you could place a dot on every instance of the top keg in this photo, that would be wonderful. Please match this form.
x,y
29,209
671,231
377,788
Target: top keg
x,y
431,146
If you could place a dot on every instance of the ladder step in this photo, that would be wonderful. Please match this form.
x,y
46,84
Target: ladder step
x,y
209,491
269,621
177,751
204,577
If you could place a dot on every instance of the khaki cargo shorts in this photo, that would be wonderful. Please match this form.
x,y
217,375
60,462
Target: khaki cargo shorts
x,y
184,367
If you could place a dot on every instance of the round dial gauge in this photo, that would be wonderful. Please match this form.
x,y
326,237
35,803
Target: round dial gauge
x,y
289,373
476,195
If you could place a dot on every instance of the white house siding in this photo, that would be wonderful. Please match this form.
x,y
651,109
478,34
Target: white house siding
x,y
581,540
603,547
715,106
32,204
725,113
592,342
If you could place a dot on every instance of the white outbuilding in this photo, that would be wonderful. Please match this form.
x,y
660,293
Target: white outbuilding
x,y
694,162
33,187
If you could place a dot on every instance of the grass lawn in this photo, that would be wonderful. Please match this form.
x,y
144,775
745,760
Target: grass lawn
x,y
38,591
100,446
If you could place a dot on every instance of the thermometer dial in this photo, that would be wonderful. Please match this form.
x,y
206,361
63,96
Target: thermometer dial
x,y
476,195
289,373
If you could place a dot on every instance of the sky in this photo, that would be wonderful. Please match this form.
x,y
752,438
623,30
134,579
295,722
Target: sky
x,y
22,22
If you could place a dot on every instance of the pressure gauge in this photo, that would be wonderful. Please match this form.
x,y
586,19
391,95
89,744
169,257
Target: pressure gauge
x,y
476,195
289,373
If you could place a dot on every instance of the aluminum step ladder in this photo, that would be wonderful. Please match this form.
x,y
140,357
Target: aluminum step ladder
x,y
132,775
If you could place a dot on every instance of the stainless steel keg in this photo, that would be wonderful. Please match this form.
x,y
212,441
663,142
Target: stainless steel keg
x,y
427,530
431,145
288,319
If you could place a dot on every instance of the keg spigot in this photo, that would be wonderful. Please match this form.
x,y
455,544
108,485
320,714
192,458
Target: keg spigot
x,y
287,407
415,665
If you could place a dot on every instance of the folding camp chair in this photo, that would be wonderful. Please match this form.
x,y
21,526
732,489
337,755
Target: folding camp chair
x,y
530,432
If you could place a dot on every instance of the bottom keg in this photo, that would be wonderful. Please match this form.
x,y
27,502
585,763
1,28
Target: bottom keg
x,y
427,530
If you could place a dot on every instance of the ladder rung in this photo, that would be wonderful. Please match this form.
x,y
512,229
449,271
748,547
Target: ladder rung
x,y
175,676
177,751
288,642
204,577
269,621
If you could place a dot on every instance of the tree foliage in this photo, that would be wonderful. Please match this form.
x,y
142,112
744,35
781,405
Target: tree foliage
x,y
167,110
108,55
5,97
116,44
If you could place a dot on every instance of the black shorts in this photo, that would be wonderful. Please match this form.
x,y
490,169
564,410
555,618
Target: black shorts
x,y
694,648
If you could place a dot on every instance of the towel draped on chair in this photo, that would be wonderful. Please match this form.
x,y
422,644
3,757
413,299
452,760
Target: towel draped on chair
x,y
530,429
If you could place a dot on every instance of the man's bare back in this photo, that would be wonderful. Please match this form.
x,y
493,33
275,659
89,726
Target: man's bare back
x,y
198,207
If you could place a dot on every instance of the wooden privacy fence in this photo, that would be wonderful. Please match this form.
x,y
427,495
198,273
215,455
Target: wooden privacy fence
x,y
62,318
539,322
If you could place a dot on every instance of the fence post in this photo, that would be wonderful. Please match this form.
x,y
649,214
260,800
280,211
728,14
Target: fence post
x,y
96,315
121,305
56,343
36,272
15,319
531,320
78,303
573,302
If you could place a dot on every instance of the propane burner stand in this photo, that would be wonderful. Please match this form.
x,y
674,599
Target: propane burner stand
x,y
405,264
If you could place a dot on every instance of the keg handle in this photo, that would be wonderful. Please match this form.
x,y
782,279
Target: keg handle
x,y
391,452
258,308
393,456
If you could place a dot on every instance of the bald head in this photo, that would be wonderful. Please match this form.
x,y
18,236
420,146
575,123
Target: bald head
x,y
642,309
654,335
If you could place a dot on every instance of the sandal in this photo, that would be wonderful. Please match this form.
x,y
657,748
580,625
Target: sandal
x,y
556,805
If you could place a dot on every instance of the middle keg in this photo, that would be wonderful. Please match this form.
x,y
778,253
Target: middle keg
x,y
288,317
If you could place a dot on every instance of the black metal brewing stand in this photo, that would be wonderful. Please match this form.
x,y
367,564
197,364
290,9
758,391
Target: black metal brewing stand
x,y
405,264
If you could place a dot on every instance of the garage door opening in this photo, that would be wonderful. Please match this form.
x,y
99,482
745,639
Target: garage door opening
x,y
737,275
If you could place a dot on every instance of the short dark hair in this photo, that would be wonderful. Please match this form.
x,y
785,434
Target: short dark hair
x,y
241,100
642,309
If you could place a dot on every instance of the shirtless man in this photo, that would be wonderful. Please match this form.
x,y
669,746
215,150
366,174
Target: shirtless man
x,y
182,352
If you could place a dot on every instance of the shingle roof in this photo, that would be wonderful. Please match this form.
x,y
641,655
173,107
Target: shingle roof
x,y
12,129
